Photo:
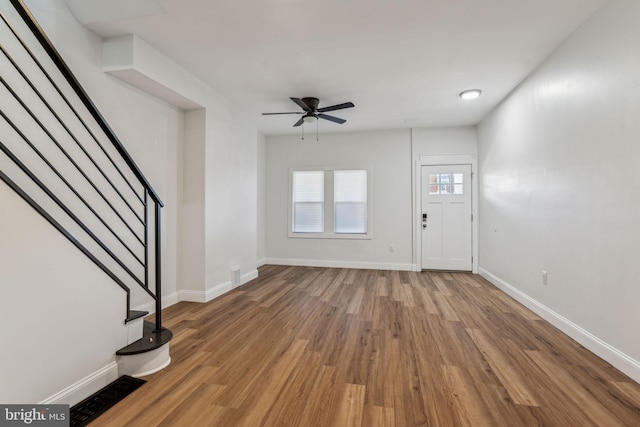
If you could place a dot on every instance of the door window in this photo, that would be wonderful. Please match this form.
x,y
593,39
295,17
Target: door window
x,y
446,184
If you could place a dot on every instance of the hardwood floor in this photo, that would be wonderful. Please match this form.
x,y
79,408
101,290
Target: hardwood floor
x,y
306,346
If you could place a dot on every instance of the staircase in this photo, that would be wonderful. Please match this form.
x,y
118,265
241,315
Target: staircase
x,y
58,153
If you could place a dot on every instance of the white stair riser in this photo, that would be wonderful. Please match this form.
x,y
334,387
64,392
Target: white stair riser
x,y
140,365
134,330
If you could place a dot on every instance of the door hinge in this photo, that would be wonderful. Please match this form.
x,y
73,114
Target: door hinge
x,y
471,217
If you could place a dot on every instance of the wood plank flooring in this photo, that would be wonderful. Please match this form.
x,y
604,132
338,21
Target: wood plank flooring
x,y
303,346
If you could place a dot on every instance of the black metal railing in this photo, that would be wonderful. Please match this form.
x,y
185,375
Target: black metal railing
x,y
60,155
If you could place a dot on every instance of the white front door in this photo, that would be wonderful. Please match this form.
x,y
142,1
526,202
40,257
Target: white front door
x,y
446,217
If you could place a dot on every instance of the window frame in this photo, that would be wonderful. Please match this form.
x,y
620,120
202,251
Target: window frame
x,y
329,201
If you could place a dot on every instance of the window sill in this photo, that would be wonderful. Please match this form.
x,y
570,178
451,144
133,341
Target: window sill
x,y
344,236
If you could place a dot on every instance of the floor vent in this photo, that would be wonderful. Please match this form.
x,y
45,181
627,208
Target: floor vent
x,y
98,403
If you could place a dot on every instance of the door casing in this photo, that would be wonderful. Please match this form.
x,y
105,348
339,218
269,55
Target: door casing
x,y
417,202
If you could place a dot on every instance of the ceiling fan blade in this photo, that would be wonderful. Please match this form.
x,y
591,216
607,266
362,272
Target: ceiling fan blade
x,y
272,114
301,104
299,122
332,119
336,107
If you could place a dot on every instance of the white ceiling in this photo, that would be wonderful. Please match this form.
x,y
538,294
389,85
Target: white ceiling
x,y
401,62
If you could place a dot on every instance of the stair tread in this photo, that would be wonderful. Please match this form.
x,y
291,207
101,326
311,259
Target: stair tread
x,y
135,314
151,340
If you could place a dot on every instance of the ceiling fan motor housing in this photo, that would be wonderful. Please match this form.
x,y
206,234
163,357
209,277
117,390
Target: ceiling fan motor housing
x,y
311,102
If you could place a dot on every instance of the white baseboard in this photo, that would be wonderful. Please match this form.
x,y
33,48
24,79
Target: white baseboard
x,y
340,264
167,301
216,291
198,296
205,296
260,262
85,387
247,277
615,357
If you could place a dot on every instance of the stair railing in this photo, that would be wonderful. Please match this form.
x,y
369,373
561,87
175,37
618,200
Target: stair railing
x,y
68,164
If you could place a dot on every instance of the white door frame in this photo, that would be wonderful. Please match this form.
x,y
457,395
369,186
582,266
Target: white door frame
x,y
453,159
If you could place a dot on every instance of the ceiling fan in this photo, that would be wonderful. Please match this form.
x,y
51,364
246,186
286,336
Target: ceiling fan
x,y
311,111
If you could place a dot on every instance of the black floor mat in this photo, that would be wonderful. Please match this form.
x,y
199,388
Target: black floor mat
x,y
98,403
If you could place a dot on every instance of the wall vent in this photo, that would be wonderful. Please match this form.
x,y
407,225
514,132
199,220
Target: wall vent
x,y
235,276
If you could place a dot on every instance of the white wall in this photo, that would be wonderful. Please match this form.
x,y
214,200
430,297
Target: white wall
x,y
387,154
220,173
64,316
57,330
262,198
230,198
191,238
560,187
203,163
444,141
151,130
447,144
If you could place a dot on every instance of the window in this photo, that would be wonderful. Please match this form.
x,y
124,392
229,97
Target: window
x,y
350,201
329,203
308,201
445,184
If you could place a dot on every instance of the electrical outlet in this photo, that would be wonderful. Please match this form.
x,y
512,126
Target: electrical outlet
x,y
392,248
544,277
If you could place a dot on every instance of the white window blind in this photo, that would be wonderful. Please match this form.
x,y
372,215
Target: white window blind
x,y
350,201
308,201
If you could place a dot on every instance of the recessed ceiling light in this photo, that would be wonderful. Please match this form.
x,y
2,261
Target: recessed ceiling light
x,y
470,94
